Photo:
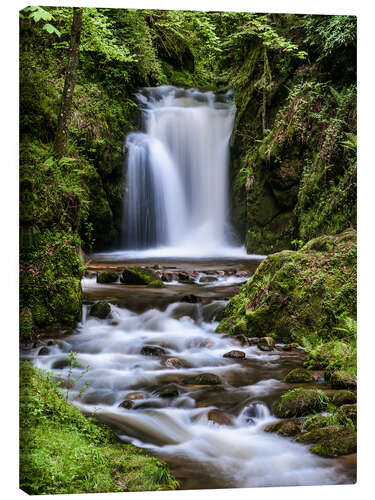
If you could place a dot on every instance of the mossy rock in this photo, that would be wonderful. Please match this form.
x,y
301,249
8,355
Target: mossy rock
x,y
342,380
203,379
100,309
331,441
344,397
156,284
298,375
285,428
107,277
136,275
316,422
347,415
299,402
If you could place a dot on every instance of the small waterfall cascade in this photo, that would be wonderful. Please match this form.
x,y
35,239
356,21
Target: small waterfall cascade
x,y
176,191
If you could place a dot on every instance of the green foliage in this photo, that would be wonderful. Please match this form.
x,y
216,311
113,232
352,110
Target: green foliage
x,y
63,452
38,13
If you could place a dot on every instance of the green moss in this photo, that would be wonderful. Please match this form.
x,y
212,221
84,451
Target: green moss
x,y
341,379
156,284
285,428
298,375
203,379
347,415
331,441
344,397
299,402
63,452
136,275
100,309
107,277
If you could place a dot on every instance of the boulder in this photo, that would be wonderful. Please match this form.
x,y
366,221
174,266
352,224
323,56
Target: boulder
x,y
266,344
172,363
285,428
156,284
43,351
344,397
219,417
127,404
347,414
235,354
135,395
136,275
331,441
299,402
100,309
207,279
342,380
168,391
151,350
203,379
298,375
107,277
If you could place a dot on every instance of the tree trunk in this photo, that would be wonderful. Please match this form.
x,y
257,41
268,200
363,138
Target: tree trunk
x,y
70,81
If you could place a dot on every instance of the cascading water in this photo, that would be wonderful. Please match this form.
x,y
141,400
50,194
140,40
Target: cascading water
x,y
177,171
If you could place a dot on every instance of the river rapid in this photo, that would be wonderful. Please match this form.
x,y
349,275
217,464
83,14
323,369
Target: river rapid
x,y
211,435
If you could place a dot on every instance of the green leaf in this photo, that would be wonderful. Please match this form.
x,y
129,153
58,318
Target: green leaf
x,y
51,29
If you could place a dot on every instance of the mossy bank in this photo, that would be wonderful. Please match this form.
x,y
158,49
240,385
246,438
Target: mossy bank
x,y
63,452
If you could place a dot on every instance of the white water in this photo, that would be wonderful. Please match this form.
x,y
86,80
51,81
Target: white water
x,y
176,200
242,454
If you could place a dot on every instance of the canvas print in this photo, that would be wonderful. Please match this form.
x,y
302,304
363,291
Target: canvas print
x,y
187,250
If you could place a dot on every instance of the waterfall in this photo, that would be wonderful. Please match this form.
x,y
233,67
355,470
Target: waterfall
x,y
177,170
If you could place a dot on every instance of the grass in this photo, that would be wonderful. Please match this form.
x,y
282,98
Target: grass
x,y
63,452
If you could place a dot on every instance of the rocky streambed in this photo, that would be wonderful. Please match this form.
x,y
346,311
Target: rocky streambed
x,y
150,363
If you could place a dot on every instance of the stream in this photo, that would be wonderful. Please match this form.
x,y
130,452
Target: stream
x,y
211,435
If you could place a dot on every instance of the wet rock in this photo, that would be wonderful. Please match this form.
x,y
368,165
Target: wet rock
x,y
285,428
235,354
253,340
168,277
136,275
43,351
208,279
266,344
127,404
298,375
242,340
206,343
331,441
191,299
169,391
114,322
60,364
285,347
151,350
299,402
170,378
344,397
156,284
135,395
219,417
107,277
342,380
203,379
100,309
172,363
90,274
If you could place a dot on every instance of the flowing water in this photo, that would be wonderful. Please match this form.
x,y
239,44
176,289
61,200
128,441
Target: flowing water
x,y
177,172
175,210
166,412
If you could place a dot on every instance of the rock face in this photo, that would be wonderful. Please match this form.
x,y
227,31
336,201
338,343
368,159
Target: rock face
x,y
107,277
235,355
298,375
296,294
100,309
299,402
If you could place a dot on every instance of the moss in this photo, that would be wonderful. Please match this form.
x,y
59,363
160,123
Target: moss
x,y
156,284
331,441
299,402
100,309
347,415
299,295
136,275
298,375
343,380
285,428
344,397
203,379
107,277
63,452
